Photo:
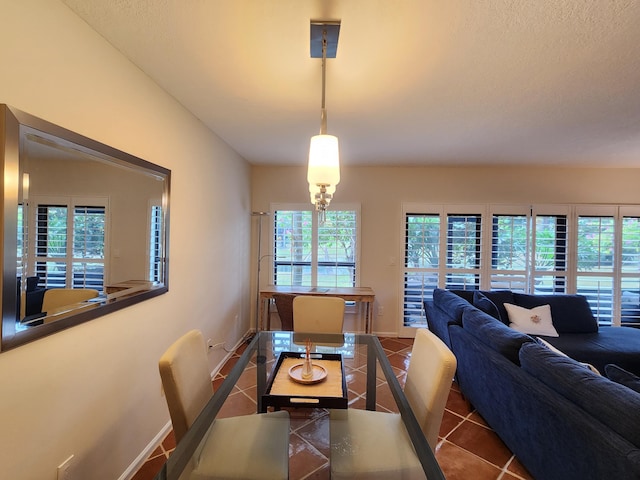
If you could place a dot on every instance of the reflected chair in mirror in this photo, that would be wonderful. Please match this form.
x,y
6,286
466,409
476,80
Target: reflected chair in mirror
x,y
375,445
56,298
284,306
245,447
318,314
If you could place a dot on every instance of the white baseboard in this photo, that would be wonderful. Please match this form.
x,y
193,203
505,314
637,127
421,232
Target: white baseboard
x,y
146,453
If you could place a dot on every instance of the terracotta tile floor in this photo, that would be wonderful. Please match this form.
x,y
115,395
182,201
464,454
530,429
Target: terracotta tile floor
x,y
467,449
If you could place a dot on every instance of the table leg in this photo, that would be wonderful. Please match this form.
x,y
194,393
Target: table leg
x,y
261,379
369,317
371,380
261,315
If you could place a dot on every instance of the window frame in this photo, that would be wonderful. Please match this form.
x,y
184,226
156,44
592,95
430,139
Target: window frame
x,y
565,244
307,207
442,271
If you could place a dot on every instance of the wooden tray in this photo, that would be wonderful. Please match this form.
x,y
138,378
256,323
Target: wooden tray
x,y
327,392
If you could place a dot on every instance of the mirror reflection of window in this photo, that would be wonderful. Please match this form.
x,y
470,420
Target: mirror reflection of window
x,y
20,240
155,244
70,244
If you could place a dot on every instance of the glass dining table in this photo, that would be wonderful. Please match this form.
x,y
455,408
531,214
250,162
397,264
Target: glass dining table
x,y
361,356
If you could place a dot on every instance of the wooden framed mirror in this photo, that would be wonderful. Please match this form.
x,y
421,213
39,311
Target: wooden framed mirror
x,y
85,228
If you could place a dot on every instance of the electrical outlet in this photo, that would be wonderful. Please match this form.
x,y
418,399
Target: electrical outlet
x,y
380,310
64,469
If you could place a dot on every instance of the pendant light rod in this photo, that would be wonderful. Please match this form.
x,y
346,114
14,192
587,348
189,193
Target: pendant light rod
x,y
323,111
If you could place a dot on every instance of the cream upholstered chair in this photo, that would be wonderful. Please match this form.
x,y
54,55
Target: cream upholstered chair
x,y
55,298
243,447
318,314
376,445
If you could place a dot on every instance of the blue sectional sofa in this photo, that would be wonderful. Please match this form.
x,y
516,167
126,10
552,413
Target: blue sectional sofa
x,y
562,420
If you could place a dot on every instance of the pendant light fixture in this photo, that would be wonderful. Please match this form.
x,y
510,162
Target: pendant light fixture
x,y
323,173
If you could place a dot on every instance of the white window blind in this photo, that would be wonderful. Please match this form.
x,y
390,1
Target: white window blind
x,y
441,249
422,263
464,247
542,249
595,263
630,271
509,252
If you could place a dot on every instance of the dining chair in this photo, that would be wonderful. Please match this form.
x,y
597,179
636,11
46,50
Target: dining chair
x,y
59,297
376,445
284,305
318,314
243,447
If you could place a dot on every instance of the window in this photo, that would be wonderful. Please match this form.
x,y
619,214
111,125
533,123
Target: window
x,y
430,236
549,269
422,264
463,251
595,263
630,270
155,244
70,245
307,253
589,250
509,251
21,245
529,250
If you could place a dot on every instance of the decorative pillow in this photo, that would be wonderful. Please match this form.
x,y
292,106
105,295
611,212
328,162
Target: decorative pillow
x,y
536,321
621,376
555,350
499,298
571,313
481,302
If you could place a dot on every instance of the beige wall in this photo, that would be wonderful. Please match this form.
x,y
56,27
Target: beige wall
x,y
382,190
94,390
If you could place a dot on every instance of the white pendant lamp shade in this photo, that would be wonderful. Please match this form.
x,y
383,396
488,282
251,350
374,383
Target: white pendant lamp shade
x,y
324,161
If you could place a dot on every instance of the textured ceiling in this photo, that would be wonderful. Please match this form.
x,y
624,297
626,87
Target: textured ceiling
x,y
415,82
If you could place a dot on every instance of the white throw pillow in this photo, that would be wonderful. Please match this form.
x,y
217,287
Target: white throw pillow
x,y
536,321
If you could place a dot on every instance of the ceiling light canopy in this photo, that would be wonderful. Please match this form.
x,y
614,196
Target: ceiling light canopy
x,y
323,173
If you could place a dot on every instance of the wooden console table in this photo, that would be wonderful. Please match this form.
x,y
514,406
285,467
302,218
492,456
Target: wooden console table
x,y
362,295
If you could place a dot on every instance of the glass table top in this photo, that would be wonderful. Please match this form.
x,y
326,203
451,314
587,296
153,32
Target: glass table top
x,y
256,365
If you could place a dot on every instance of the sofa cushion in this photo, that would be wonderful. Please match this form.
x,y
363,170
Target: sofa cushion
x,y
542,341
450,303
482,302
494,333
534,321
612,404
570,313
621,376
619,345
466,294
